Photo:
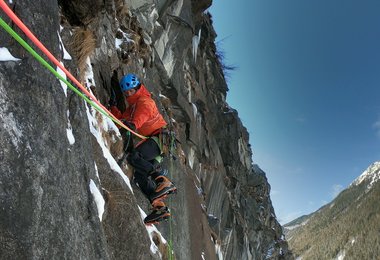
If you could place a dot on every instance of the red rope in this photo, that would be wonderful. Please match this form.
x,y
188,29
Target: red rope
x,y
51,57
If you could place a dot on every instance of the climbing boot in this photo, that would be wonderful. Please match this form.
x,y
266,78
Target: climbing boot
x,y
160,212
164,188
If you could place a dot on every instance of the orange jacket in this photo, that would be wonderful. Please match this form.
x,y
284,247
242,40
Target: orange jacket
x,y
142,111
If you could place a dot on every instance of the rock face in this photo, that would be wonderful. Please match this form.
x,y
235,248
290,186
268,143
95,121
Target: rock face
x,y
56,149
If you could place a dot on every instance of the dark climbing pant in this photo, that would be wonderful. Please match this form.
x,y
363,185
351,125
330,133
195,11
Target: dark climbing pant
x,y
143,159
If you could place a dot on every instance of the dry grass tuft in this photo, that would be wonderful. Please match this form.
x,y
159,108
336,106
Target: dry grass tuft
x,y
109,199
162,247
121,9
116,198
130,172
82,45
166,103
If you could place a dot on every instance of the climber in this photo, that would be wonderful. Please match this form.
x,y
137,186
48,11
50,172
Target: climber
x,y
142,116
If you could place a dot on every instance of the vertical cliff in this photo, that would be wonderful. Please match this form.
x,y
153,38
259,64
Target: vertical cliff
x,y
56,150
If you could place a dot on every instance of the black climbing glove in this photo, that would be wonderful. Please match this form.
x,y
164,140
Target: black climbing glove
x,y
129,124
112,102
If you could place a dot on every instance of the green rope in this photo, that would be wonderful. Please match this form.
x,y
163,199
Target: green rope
x,y
170,244
50,68
170,248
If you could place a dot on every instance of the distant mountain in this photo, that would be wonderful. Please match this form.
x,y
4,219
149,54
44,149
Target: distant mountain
x,y
370,176
346,228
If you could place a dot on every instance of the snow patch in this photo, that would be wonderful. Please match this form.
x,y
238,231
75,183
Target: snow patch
x,y
118,42
63,84
125,38
99,200
191,157
195,110
66,55
196,40
96,170
371,174
341,255
69,130
5,55
89,75
151,229
218,250
70,136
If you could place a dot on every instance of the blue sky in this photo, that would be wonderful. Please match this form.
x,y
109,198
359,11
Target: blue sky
x,y
307,88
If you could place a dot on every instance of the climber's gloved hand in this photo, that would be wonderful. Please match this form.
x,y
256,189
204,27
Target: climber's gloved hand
x,y
129,124
112,102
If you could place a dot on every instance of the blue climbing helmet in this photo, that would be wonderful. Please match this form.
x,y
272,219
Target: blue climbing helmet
x,y
128,82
